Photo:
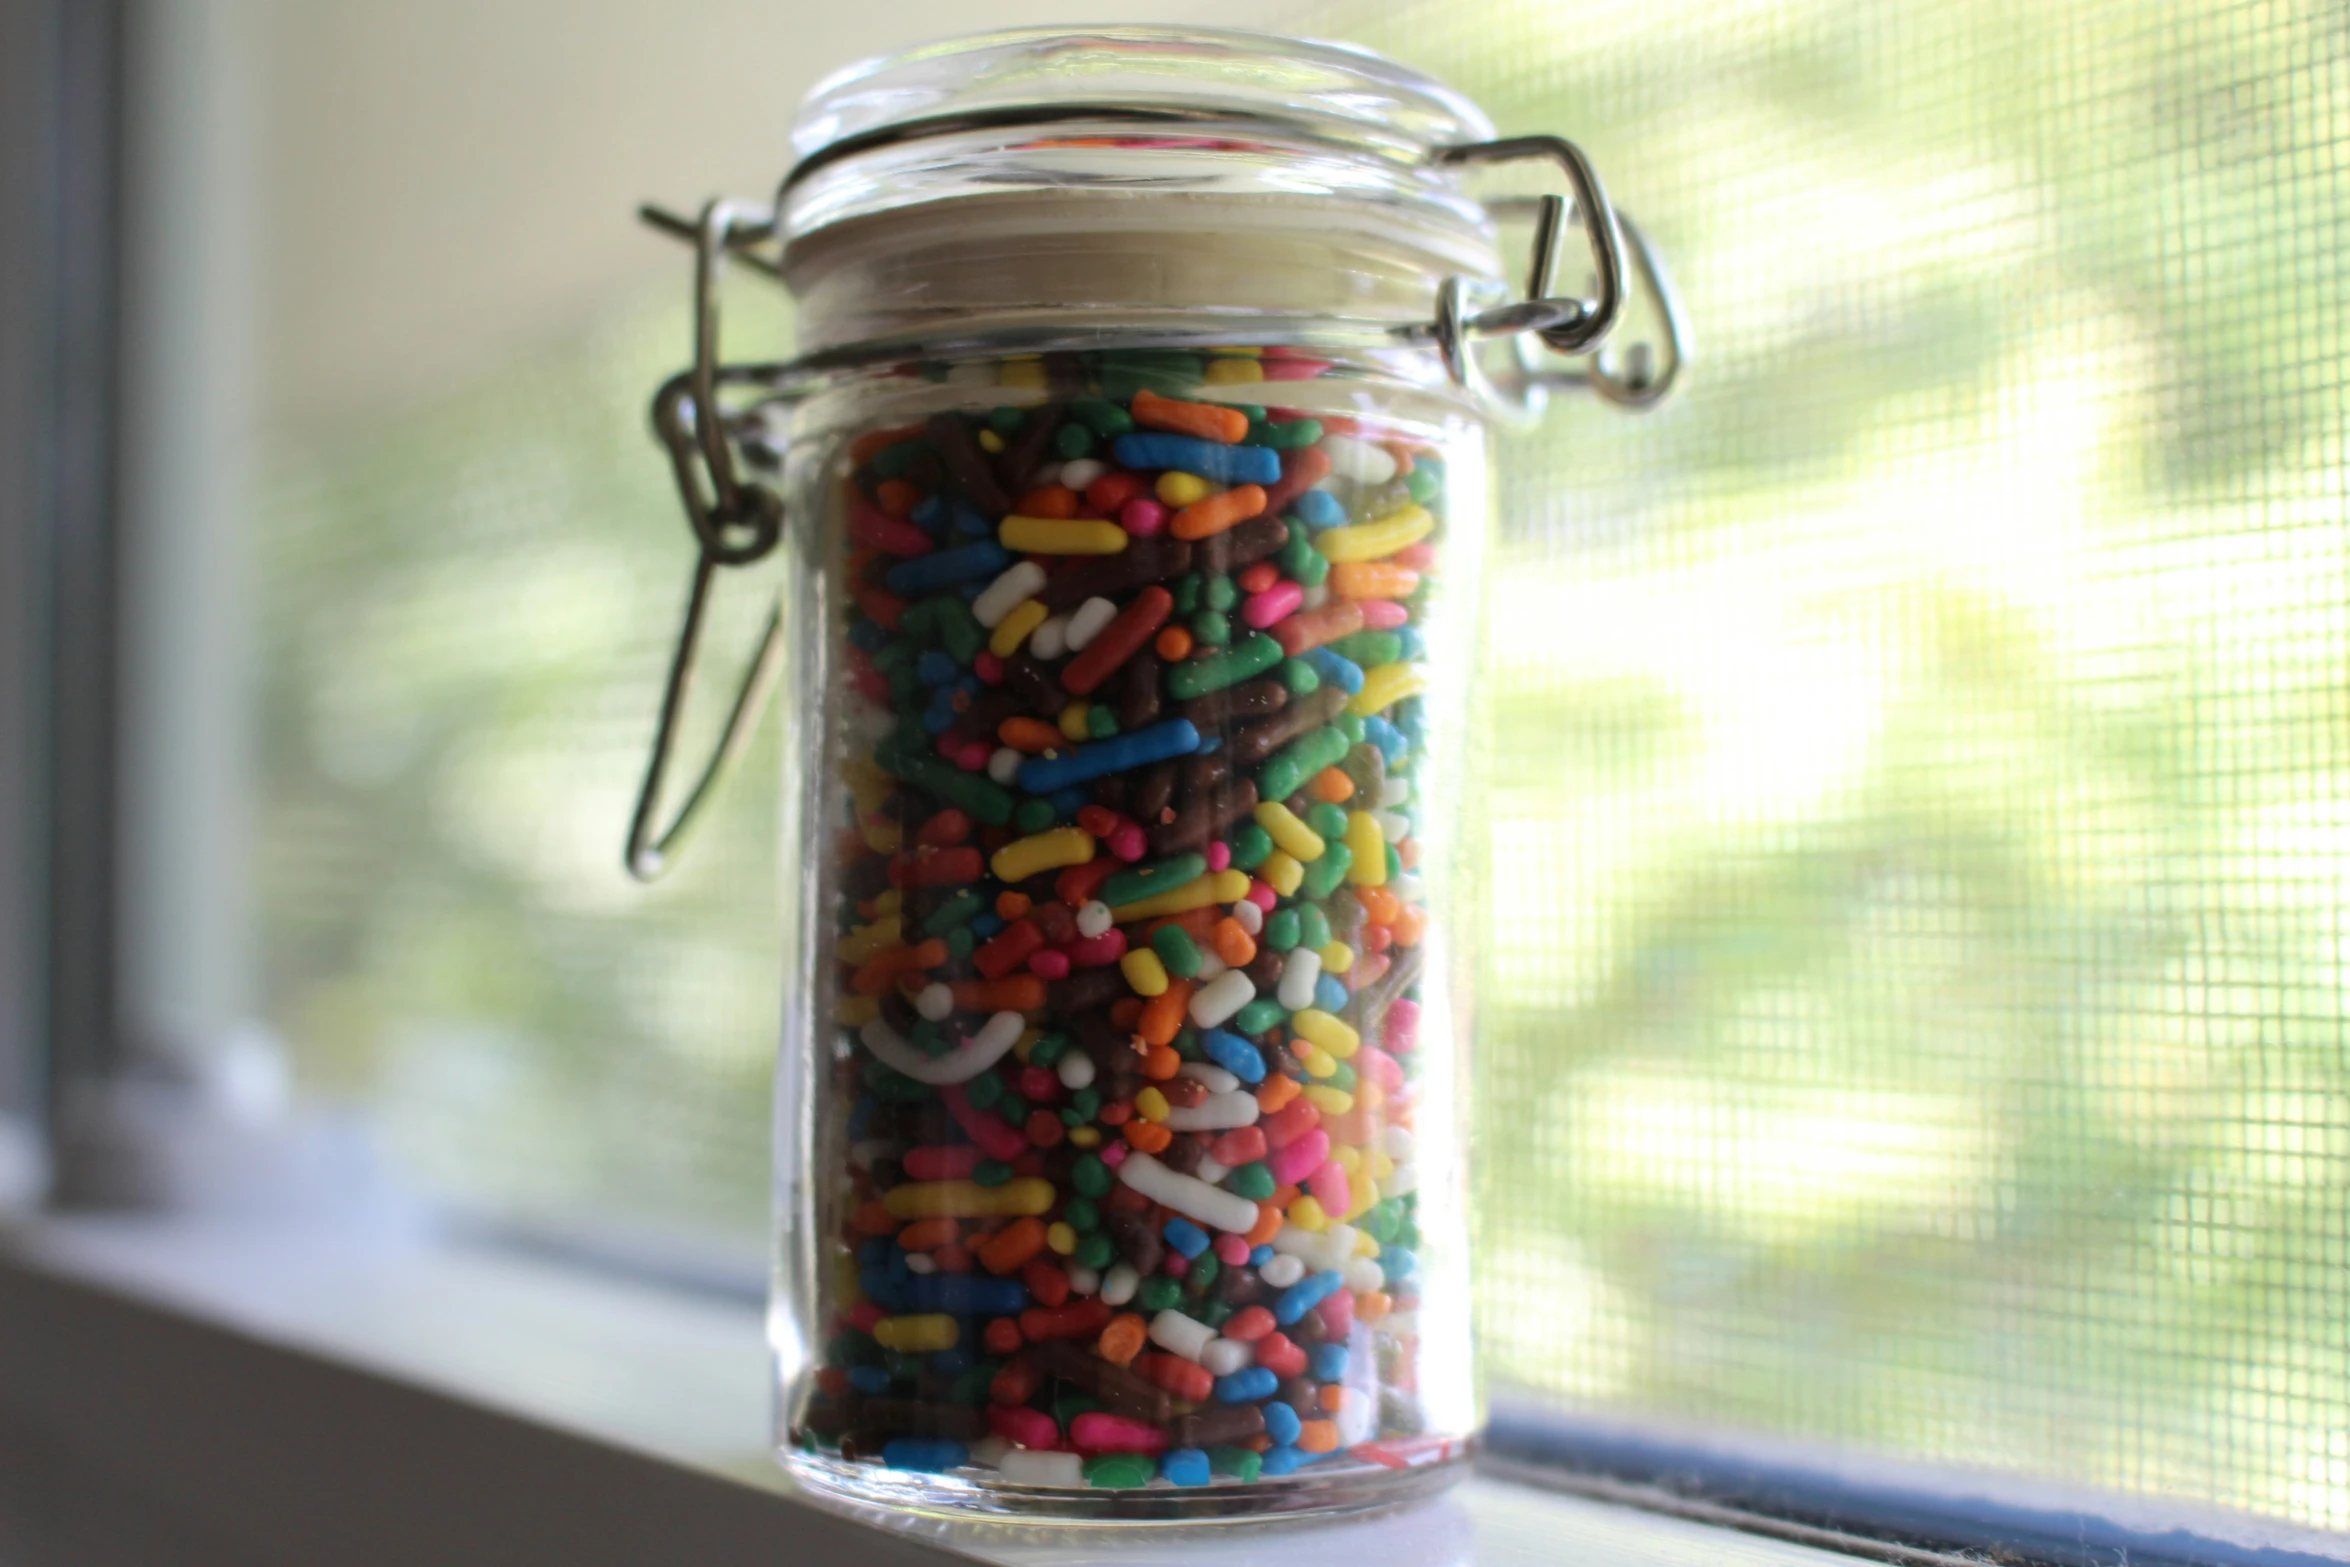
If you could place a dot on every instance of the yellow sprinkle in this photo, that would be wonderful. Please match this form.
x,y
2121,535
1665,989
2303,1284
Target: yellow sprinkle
x,y
1244,350
846,1281
1337,957
1328,1100
1331,1033
1013,629
866,940
1026,1042
1014,1199
1233,372
1388,683
1144,972
882,835
890,902
1056,536
1381,1166
1369,867
1045,851
989,441
1282,873
1347,1157
857,1011
1293,835
1365,1246
1376,540
1177,488
1306,1213
869,784
1021,372
1072,721
932,1330
1085,1137
1318,1062
1364,1195
1152,1105
1061,1237
1216,887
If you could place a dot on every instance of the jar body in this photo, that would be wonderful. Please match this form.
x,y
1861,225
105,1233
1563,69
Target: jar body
x,y
1120,1165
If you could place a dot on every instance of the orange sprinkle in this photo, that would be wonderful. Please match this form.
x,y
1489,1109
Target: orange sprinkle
x,y
1372,579
884,969
1032,735
1205,420
1123,1339
952,1259
1372,1305
1382,905
926,1234
896,497
1402,455
1125,1012
1148,1136
1174,644
1204,519
1407,853
1057,501
1277,1091
1162,1015
1318,1436
1008,1250
1269,1221
873,1219
1010,905
1410,925
1160,1063
1014,993
1233,944
874,442
1332,1397
1332,785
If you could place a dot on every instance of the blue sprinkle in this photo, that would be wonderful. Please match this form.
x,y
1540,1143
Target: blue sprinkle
x,y
969,519
1185,1236
986,925
928,573
1234,1054
1307,1293
1247,1385
1118,754
939,719
1386,737
1185,1466
1329,994
868,635
965,1293
936,668
1260,1256
930,511
1414,645
1283,1424
1335,668
870,1380
1397,1263
1209,459
1067,803
880,1288
1211,745
1278,1461
954,1362
930,1453
875,1252
1327,1362
1318,509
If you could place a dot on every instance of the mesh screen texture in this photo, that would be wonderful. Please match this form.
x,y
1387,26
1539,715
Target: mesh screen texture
x,y
1917,919
1915,1008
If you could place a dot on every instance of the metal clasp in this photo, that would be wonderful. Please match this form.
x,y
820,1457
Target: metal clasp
x,y
735,519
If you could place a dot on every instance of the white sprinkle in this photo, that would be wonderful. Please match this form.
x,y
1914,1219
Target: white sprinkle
x,y
1093,919
1410,888
1398,1144
1363,1275
1216,1113
1392,825
955,1066
1087,623
1210,967
1317,595
1357,460
872,1151
1283,1271
921,1262
1004,765
1394,792
1210,1171
1120,1283
1000,597
1317,1249
1400,1324
1171,1330
1051,638
1083,1280
1219,998
1194,1199
1075,1070
1405,1177
1354,1417
1226,1356
1248,916
1298,974
1021,1466
935,1002
1079,472
1209,1076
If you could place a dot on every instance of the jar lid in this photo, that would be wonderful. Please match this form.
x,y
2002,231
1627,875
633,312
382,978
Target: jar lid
x,y
1126,111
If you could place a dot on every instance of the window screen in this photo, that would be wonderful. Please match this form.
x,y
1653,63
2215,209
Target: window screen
x,y
1915,1011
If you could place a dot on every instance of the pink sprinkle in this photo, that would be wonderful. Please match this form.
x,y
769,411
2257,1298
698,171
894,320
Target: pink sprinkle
x,y
1276,604
1415,557
1127,843
870,525
988,667
1177,1264
863,1315
1027,1427
1383,614
1219,855
1294,369
1097,951
1301,1158
1403,1026
1337,1312
1114,1154
1261,894
1330,1189
1376,1064
970,755
1231,1250
1143,517
1365,971
990,1131
1051,963
1097,1432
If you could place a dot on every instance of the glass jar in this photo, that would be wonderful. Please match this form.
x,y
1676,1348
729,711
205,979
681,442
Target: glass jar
x,y
1136,473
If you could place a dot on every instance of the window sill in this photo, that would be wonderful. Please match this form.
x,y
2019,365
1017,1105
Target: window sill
x,y
205,1393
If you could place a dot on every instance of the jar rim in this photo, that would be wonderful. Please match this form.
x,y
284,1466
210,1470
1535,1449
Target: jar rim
x,y
1261,115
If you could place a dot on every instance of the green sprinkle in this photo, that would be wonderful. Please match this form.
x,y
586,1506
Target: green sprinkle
x,y
1048,1049
1215,1313
1369,648
960,909
1342,1077
1100,722
1187,590
1424,482
1313,928
1033,815
1300,676
1087,1102
1245,659
1177,951
1294,763
1068,1404
1221,592
990,1172
1253,1181
1083,1213
1237,1462
1073,441
984,1091
973,792
1158,1292
1132,886
1325,874
1090,1176
1202,1272
1351,726
1006,419
1119,1471
1094,1251
972,1387
1259,1015
1326,819
1281,930
960,943
1394,862
1104,419
894,1086
1250,844
1210,629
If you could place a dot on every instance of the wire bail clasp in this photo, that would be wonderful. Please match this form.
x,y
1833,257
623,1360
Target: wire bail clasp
x,y
736,520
